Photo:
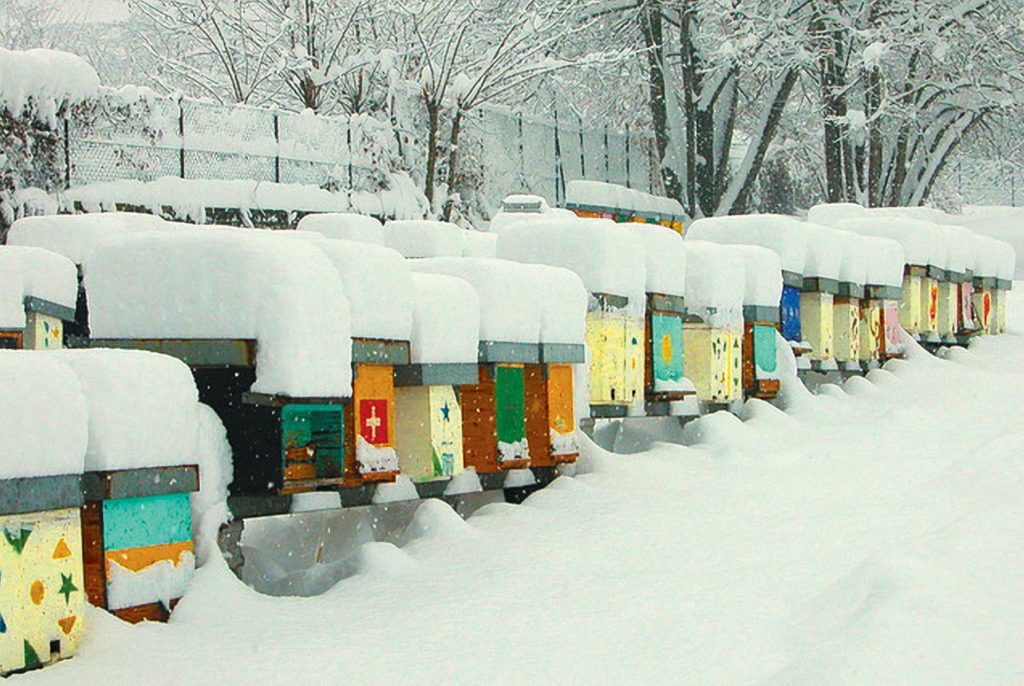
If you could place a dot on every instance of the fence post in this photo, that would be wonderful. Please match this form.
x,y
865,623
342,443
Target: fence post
x,y
348,142
583,158
277,150
67,152
607,162
559,171
522,152
629,180
181,137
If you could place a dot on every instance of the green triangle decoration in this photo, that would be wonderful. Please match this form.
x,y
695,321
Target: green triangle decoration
x,y
3,624
31,657
17,539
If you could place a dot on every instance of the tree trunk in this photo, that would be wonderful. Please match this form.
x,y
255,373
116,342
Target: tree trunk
x,y
433,123
873,100
651,27
691,85
453,158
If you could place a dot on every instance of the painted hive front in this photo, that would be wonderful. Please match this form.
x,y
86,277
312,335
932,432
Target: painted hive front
x,y
765,356
998,317
892,344
606,341
707,362
43,332
734,341
790,312
929,305
11,340
871,332
966,315
947,305
666,352
983,309
634,373
562,414
816,322
537,416
312,444
510,415
910,304
428,436
42,601
373,403
479,433
147,549
846,316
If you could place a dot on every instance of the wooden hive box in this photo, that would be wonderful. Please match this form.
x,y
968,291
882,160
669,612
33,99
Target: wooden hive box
x,y
948,305
817,317
1003,288
930,303
789,307
911,312
550,415
42,578
44,327
606,334
760,356
892,344
871,332
965,311
494,419
137,539
846,322
983,305
664,377
429,419
710,362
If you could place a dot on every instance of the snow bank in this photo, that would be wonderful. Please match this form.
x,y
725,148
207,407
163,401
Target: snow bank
x,y
583,193
607,257
828,214
715,283
353,227
762,270
788,237
33,272
285,294
377,284
511,298
143,408
76,235
424,238
445,320
479,244
918,238
44,427
37,82
665,258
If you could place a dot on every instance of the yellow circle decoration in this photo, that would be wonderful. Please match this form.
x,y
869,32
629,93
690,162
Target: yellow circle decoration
x,y
37,592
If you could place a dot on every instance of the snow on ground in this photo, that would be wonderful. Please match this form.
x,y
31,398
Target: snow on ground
x,y
872,534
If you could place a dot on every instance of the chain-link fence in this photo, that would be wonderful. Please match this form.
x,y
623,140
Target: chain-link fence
x,y
988,182
132,136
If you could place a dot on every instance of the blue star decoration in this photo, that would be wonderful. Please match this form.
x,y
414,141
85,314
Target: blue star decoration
x,y
445,410
67,587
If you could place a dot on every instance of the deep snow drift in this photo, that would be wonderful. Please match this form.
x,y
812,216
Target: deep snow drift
x,y
871,534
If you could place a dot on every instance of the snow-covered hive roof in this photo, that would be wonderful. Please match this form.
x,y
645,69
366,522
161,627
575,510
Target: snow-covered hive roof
x,y
213,284
39,81
584,193
43,416
607,257
926,214
885,263
504,218
479,244
352,227
34,272
788,237
378,286
76,235
445,321
143,408
993,258
959,248
830,213
856,257
665,257
918,238
424,238
519,303
715,283
1007,265
762,271
826,251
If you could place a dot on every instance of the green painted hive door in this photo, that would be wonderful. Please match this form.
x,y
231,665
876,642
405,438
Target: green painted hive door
x,y
312,439
764,351
510,410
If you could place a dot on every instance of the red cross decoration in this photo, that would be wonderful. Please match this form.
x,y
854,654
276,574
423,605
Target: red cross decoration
x,y
373,417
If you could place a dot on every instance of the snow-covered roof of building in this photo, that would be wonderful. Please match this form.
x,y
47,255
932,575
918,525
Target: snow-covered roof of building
x,y
665,257
43,416
786,236
35,272
762,275
215,284
445,321
40,81
607,257
378,286
921,246
76,235
424,238
479,244
715,282
143,408
517,301
352,227
586,193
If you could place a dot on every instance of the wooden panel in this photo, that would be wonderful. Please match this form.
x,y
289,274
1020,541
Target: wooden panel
x,y
373,398
948,308
709,362
537,416
846,317
92,554
43,332
42,603
910,304
562,414
892,344
871,333
635,354
664,351
790,314
10,340
606,340
412,432
1000,312
735,381
983,309
150,612
965,316
929,306
816,323
445,431
312,441
479,433
749,380
510,415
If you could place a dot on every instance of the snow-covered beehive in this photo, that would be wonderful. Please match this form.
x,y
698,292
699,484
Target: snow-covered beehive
x,y
762,293
610,261
38,294
352,227
424,238
602,200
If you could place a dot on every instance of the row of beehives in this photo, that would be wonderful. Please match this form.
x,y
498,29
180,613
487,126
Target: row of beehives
x,y
94,499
